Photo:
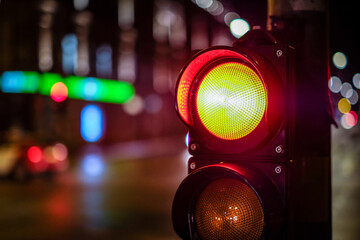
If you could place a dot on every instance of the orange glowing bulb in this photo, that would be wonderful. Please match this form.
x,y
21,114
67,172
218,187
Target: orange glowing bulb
x,y
59,92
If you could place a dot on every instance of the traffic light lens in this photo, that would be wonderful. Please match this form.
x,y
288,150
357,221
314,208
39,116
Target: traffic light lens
x,y
189,74
231,100
229,209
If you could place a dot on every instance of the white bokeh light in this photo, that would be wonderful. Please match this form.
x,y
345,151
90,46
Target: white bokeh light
x,y
335,84
339,60
239,27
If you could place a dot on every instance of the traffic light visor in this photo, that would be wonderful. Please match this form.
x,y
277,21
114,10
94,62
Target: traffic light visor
x,y
229,209
231,100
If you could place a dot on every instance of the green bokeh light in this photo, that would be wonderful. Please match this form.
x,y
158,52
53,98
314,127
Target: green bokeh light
x,y
82,88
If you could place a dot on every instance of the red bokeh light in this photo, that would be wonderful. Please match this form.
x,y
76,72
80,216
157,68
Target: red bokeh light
x,y
59,92
351,118
34,154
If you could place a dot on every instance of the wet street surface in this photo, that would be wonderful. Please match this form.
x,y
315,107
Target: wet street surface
x,y
346,183
126,192
122,199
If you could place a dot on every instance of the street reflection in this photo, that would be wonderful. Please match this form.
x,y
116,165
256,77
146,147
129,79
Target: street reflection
x,y
95,214
59,209
92,165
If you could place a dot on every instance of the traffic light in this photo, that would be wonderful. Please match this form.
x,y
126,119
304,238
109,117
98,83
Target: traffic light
x,y
238,104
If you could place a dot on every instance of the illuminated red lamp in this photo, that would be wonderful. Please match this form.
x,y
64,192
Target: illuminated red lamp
x,y
188,75
230,98
235,102
59,92
34,154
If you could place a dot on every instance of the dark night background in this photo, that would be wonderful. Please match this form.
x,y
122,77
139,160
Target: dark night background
x,y
121,186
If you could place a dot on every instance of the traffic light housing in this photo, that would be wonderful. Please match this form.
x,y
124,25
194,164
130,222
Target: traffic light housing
x,y
242,115
238,103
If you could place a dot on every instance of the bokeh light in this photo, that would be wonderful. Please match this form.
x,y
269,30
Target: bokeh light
x,y
354,98
216,8
335,84
339,60
59,152
48,155
204,3
91,123
59,92
47,82
104,61
91,88
187,140
81,4
349,120
345,90
99,89
93,165
19,82
135,106
356,80
69,46
229,17
59,88
239,27
34,154
344,105
12,81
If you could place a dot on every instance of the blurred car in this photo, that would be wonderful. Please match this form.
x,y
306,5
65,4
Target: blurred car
x,y
46,159
10,155
22,158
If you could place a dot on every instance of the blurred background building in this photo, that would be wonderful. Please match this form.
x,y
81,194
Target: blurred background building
x,y
143,44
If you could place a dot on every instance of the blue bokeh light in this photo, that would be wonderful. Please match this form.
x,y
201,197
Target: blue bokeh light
x,y
93,165
69,46
104,61
91,88
13,82
91,123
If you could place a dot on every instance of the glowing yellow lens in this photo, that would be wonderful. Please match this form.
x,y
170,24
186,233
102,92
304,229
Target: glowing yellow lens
x,y
229,209
231,100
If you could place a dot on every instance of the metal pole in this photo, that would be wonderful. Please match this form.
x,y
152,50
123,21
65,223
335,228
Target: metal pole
x,y
304,25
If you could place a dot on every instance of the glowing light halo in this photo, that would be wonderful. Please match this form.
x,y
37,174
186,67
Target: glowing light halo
x,y
77,87
59,92
34,154
349,120
188,75
91,123
344,105
189,82
231,100
339,60
239,27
